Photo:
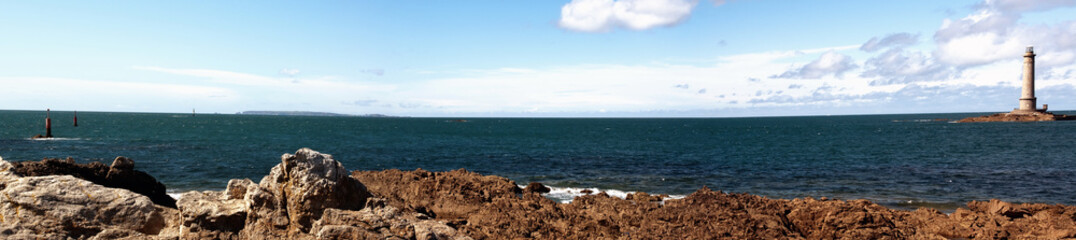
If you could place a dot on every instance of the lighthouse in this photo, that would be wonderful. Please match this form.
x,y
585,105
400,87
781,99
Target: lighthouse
x,y
1027,96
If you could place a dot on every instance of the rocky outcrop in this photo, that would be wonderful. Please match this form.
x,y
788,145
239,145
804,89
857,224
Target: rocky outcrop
x,y
63,206
120,175
486,207
451,196
1012,117
307,196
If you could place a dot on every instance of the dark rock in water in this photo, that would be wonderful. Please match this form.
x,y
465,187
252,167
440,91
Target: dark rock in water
x,y
123,163
39,136
536,187
122,175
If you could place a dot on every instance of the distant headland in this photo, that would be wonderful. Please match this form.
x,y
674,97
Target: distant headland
x,y
307,113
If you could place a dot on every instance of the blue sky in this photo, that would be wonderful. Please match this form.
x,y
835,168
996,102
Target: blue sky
x,y
644,58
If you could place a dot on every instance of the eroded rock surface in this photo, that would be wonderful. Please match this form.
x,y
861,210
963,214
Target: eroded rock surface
x,y
63,206
307,196
486,207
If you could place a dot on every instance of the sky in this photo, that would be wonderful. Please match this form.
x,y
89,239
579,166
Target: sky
x,y
568,58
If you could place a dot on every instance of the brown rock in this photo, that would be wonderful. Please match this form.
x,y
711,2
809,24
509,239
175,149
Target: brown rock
x,y
704,214
450,196
536,187
301,187
1010,117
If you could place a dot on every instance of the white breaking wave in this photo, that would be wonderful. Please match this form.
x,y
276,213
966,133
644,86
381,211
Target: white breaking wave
x,y
175,195
55,139
567,194
559,194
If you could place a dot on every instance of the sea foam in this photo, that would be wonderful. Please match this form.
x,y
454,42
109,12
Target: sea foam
x,y
567,194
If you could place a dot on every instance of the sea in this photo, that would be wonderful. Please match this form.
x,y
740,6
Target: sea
x,y
901,161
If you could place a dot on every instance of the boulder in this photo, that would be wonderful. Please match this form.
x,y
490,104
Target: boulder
x,y
300,188
211,214
380,221
120,175
536,187
63,206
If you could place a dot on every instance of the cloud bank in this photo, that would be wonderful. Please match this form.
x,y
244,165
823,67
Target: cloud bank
x,y
605,15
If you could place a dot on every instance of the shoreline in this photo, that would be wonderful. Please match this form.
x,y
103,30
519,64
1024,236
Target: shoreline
x,y
311,196
565,195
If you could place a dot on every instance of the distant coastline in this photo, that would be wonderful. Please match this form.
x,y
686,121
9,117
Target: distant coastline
x,y
306,113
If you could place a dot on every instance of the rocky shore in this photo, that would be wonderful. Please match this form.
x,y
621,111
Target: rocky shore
x,y
311,196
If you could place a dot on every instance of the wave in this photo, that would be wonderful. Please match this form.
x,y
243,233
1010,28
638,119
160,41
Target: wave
x,y
567,194
559,194
175,195
55,139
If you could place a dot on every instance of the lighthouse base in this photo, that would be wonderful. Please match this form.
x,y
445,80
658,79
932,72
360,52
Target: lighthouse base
x,y
1029,110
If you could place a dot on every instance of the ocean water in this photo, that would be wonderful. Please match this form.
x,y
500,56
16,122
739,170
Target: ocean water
x,y
903,161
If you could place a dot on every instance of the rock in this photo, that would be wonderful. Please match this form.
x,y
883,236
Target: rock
x,y
379,221
122,163
307,196
536,187
1010,117
60,206
122,175
304,197
301,187
237,188
212,214
644,197
451,196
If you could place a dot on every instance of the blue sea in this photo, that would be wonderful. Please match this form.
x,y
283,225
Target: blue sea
x,y
902,161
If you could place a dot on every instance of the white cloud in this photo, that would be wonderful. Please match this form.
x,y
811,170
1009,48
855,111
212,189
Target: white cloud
x,y
829,63
1026,5
892,40
994,33
901,66
604,15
